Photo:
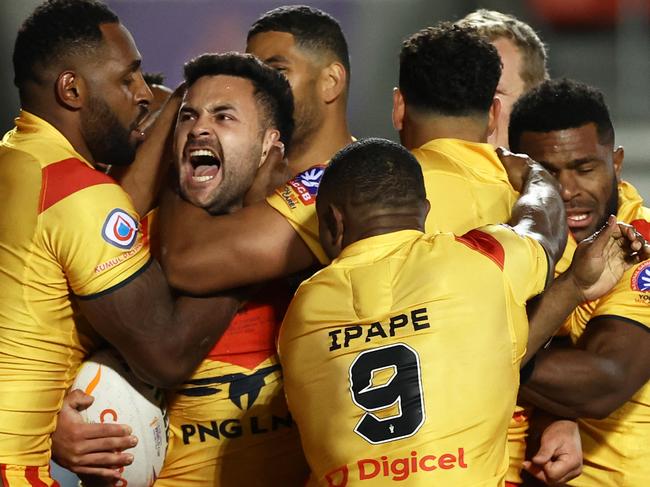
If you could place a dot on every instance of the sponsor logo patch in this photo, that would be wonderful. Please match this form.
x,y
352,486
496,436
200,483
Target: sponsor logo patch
x,y
641,278
120,229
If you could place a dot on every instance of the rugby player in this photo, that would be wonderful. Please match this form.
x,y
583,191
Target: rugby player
x,y
523,56
603,378
71,239
308,46
386,368
523,59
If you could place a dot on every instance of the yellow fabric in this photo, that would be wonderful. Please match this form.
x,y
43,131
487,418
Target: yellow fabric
x,y
466,184
229,423
21,476
617,448
52,245
296,201
468,187
435,313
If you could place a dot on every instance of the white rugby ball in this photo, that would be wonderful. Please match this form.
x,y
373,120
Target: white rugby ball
x,y
120,397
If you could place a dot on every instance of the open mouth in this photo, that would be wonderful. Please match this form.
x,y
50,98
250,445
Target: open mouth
x,y
205,165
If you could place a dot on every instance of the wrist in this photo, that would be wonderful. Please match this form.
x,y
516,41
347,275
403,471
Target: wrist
x,y
569,286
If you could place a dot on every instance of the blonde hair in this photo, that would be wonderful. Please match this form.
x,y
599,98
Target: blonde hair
x,y
494,25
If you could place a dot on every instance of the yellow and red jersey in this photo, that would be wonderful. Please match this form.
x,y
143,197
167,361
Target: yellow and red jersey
x,y
401,358
229,423
66,230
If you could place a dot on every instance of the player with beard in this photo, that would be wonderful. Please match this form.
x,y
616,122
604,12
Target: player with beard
x,y
229,422
277,237
603,378
71,239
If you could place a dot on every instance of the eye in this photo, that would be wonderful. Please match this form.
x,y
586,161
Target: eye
x,y
128,81
584,169
224,116
185,116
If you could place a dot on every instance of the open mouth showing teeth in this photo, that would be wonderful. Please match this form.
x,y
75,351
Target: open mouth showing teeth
x,y
205,165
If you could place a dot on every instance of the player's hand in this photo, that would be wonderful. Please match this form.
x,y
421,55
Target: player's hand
x,y
559,458
90,449
600,260
271,174
517,166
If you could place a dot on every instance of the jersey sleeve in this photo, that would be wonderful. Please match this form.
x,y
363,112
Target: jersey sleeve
x,y
97,238
296,201
525,262
630,298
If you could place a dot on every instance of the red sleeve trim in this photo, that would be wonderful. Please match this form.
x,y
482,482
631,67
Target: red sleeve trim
x,y
63,178
643,227
485,244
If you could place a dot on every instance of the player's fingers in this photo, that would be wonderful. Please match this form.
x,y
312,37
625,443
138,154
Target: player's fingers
x,y
535,470
104,473
79,400
112,444
104,430
103,460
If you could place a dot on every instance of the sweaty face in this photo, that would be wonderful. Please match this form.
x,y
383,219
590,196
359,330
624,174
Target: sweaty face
x,y
279,50
509,89
218,142
586,170
117,100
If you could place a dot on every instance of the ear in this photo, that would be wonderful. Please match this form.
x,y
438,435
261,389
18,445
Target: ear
x,y
334,81
426,206
493,117
70,90
334,228
619,154
271,136
398,109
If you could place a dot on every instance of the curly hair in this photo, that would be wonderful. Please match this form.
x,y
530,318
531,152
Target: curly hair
x,y
374,172
558,105
311,28
450,70
272,90
55,30
495,25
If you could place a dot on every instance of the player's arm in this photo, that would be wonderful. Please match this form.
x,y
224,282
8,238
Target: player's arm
x,y
162,339
203,254
610,362
598,264
142,179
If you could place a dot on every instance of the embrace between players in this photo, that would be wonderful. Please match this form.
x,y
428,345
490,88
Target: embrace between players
x,y
400,359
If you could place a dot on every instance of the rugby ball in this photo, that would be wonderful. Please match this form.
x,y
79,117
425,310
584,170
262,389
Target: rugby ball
x,y
120,397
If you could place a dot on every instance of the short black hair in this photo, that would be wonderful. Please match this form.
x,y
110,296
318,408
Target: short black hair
x,y
312,29
56,29
153,78
271,88
373,172
558,105
449,70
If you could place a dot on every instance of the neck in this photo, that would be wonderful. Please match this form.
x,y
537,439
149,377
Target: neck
x,y
387,221
319,146
420,129
64,122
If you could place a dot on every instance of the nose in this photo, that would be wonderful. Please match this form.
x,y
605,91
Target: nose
x,y
200,127
568,185
143,94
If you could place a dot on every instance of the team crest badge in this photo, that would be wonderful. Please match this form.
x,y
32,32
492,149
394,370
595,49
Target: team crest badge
x,y
641,278
120,229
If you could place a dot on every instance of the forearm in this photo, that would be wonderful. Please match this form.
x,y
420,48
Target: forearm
x,y
203,254
539,212
549,311
572,383
142,179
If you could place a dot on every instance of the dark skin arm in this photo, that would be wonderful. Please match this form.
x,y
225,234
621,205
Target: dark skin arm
x,y
142,179
161,339
204,254
610,362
